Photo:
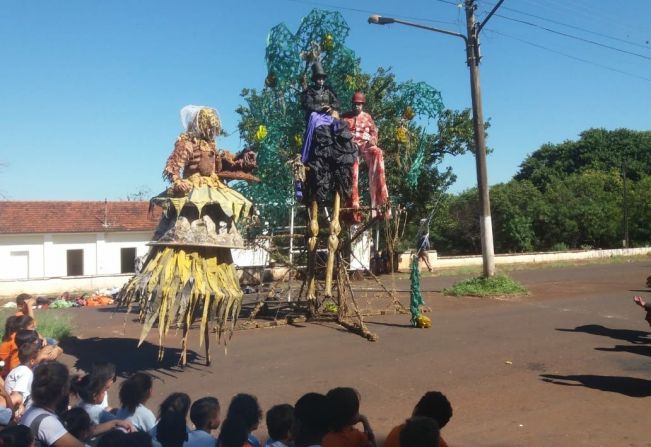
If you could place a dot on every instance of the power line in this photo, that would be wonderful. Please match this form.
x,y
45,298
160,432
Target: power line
x,y
597,64
578,28
571,36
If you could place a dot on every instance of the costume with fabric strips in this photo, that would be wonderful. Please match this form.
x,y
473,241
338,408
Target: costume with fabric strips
x,y
189,270
364,133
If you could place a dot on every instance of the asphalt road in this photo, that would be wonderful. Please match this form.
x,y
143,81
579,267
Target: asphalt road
x,y
567,365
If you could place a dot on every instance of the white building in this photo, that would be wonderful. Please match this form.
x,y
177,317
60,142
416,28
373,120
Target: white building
x,y
51,247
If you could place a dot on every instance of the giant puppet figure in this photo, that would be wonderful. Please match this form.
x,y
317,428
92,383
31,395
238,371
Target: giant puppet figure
x,y
328,153
364,133
189,271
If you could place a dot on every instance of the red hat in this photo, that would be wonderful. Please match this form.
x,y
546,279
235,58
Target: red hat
x,y
359,98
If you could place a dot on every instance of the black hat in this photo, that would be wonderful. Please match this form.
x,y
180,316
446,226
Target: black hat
x,y
317,71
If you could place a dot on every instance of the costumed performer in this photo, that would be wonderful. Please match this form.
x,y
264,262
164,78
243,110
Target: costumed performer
x,y
189,270
365,134
328,153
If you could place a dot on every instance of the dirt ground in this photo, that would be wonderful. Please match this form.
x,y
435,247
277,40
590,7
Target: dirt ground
x,y
567,365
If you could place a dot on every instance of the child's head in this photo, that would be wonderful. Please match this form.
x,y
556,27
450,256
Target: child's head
x,y
89,388
104,371
112,438
10,327
27,354
204,413
311,417
20,299
434,405
26,336
77,422
345,404
135,391
25,322
419,431
234,433
50,384
280,419
245,407
17,435
173,412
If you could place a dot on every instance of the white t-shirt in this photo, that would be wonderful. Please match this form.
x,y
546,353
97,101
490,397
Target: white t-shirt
x,y
143,418
50,430
200,438
19,380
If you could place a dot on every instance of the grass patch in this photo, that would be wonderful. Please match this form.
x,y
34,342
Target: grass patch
x,y
53,324
498,285
50,324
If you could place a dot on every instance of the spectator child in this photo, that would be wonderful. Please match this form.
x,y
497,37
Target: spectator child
x,y
433,405
171,429
24,304
19,381
311,415
280,419
8,339
234,433
204,414
104,371
344,403
420,431
77,422
21,337
91,389
49,388
245,408
134,393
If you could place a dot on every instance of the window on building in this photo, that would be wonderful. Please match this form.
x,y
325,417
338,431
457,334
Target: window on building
x,y
128,260
75,260
18,267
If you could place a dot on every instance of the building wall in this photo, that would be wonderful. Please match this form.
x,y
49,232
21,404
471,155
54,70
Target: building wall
x,y
45,255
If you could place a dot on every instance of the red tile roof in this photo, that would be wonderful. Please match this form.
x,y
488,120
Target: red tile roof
x,y
17,217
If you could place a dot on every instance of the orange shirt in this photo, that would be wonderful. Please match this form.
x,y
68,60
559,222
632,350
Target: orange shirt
x,y
9,354
393,438
348,437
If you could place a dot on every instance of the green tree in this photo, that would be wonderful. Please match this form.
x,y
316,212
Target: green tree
x,y
515,210
583,209
596,150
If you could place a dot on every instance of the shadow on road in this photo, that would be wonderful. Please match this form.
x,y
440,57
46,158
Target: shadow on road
x,y
630,335
628,386
125,354
635,349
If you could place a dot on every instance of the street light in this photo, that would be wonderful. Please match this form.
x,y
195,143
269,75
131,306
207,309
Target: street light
x,y
471,41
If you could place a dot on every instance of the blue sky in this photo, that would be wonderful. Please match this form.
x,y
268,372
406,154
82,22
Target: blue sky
x,y
91,91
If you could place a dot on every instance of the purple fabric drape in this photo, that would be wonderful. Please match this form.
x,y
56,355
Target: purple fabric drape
x,y
316,120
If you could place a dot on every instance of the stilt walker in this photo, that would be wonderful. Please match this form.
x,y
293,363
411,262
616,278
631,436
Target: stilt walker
x,y
189,271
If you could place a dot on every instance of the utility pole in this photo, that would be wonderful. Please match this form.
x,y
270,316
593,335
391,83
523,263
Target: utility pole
x,y
485,222
471,40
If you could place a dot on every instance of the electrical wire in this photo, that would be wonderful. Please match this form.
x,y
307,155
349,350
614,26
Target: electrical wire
x,y
597,64
571,36
578,28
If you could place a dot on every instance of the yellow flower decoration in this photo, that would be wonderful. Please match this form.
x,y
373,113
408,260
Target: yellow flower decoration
x,y
350,81
423,322
328,43
409,113
298,140
402,135
261,133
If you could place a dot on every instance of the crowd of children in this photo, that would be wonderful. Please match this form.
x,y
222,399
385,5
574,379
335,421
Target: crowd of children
x,y
41,404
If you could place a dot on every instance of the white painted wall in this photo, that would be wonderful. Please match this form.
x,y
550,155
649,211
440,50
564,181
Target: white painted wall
x,y
45,255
